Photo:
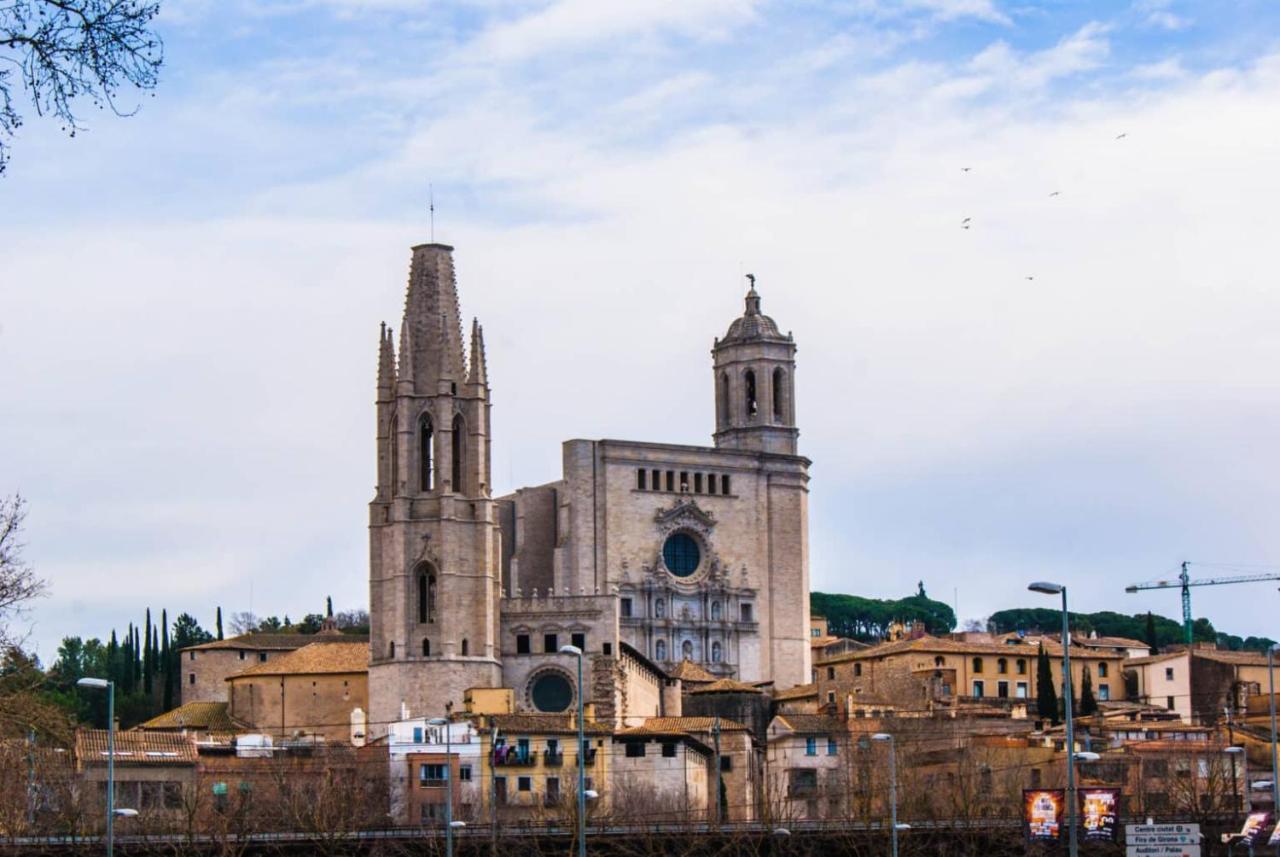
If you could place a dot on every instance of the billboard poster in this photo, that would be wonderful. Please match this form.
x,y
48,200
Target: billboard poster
x,y
1042,811
1254,824
1099,809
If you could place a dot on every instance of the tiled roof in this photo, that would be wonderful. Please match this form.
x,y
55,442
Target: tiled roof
x,y
941,645
812,723
544,724
1243,659
135,748
277,642
687,670
682,726
800,691
1153,659
726,685
1124,642
202,716
315,659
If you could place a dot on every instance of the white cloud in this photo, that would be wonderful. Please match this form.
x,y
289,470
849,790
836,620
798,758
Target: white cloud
x,y
568,24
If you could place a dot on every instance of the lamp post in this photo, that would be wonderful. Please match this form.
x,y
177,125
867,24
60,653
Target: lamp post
x,y
1046,588
582,754
1271,692
448,784
110,686
1235,783
893,788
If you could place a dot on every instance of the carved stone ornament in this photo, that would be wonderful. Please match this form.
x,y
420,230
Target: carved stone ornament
x,y
427,554
685,515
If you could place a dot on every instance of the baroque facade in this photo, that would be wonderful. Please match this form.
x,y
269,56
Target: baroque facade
x,y
642,555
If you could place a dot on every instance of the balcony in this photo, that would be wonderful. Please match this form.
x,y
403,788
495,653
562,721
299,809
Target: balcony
x,y
513,758
552,759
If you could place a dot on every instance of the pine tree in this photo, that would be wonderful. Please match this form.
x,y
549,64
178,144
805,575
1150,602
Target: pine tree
x,y
1151,634
1046,696
1088,705
219,623
148,663
166,660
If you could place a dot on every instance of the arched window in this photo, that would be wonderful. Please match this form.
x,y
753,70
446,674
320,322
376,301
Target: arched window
x,y
426,647
750,383
686,650
1002,666
426,453
459,450
724,399
939,662
426,595
779,395
1022,666
660,609
660,650
977,665
715,610
464,646
1102,670
391,649
716,652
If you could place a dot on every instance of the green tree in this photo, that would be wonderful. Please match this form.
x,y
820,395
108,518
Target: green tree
x,y
148,660
1150,637
166,660
310,624
187,632
1046,695
1088,704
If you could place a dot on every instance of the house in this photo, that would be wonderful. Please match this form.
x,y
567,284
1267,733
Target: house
x,y
1200,683
205,667
808,776
660,772
155,773
200,720
418,753
321,689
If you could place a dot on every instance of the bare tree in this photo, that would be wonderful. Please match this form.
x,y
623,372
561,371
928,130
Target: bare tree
x,y
64,51
243,622
18,582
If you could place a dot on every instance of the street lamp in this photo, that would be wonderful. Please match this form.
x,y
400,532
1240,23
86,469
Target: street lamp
x,y
110,687
1235,783
893,787
582,755
448,784
1046,588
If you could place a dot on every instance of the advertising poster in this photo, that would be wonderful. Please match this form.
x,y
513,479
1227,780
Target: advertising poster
x,y
1254,825
1098,811
1042,812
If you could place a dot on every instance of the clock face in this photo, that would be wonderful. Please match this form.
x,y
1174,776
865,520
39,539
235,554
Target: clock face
x,y
681,554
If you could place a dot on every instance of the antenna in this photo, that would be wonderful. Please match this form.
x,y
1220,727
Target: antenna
x,y
431,197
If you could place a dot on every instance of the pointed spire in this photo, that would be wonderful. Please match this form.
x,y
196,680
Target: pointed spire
x,y
405,374
431,311
386,364
479,369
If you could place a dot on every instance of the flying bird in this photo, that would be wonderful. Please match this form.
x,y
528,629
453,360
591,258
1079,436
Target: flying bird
x,y
965,169
1122,136
1030,278
1056,193
966,220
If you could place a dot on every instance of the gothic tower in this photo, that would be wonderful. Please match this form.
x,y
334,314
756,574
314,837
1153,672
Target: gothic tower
x,y
755,369
434,545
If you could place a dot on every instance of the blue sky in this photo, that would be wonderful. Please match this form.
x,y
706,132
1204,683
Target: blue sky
x,y
190,298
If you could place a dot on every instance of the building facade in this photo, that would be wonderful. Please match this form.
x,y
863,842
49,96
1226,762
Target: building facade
x,y
642,555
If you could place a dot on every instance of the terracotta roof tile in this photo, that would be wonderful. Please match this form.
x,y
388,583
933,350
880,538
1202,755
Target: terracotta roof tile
x,y
805,724
690,672
202,716
544,724
315,659
682,726
726,685
276,642
800,691
135,748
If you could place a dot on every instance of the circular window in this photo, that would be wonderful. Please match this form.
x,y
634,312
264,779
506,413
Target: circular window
x,y
552,692
681,554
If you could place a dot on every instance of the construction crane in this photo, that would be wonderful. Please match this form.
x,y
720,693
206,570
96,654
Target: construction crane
x,y
1184,582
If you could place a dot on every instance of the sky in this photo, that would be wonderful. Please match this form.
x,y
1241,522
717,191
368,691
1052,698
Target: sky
x,y
1080,386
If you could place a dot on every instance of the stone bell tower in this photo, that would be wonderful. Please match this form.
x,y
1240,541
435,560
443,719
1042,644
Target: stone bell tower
x,y
434,545
755,369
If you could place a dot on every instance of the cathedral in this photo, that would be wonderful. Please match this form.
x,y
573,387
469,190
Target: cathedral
x,y
643,555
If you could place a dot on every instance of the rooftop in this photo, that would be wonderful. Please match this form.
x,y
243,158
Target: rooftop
x,y
318,658
135,748
726,685
277,642
800,691
202,716
688,671
544,724
807,724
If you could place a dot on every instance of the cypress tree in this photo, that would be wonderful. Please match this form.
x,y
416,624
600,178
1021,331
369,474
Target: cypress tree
x,y
127,665
137,658
219,623
113,659
1046,695
148,662
1088,705
1151,634
166,660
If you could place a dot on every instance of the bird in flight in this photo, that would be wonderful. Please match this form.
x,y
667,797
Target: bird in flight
x,y
1122,136
1056,193
965,169
1030,277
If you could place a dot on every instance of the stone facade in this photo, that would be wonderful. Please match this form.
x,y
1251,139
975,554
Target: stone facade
x,y
676,552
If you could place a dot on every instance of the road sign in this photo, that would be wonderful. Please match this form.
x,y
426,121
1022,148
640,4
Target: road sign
x,y
1162,840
